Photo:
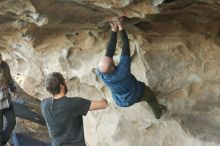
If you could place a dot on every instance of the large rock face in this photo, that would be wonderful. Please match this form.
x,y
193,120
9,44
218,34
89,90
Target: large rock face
x,y
175,50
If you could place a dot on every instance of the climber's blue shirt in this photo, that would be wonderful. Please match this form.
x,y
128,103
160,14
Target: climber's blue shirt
x,y
125,88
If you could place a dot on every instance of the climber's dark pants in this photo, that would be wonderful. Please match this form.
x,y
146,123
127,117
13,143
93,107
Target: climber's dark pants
x,y
5,133
151,99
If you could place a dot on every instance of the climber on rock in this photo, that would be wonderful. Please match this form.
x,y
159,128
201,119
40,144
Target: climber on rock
x,y
6,107
63,114
125,89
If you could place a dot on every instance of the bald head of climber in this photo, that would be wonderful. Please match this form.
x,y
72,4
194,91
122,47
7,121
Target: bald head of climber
x,y
106,65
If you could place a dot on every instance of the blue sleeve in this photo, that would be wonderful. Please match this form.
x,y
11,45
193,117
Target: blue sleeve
x,y
98,73
124,65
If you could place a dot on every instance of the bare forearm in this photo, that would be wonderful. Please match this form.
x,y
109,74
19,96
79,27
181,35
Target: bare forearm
x,y
97,105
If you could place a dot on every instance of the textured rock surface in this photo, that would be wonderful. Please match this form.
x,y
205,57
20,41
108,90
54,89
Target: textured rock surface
x,y
175,50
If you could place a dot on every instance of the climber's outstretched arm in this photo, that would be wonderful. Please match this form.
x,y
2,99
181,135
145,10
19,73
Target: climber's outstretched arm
x,y
112,41
97,105
124,39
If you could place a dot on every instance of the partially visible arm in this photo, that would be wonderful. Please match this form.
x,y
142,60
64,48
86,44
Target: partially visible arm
x,y
9,78
125,43
111,45
81,106
97,105
112,41
124,39
125,60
